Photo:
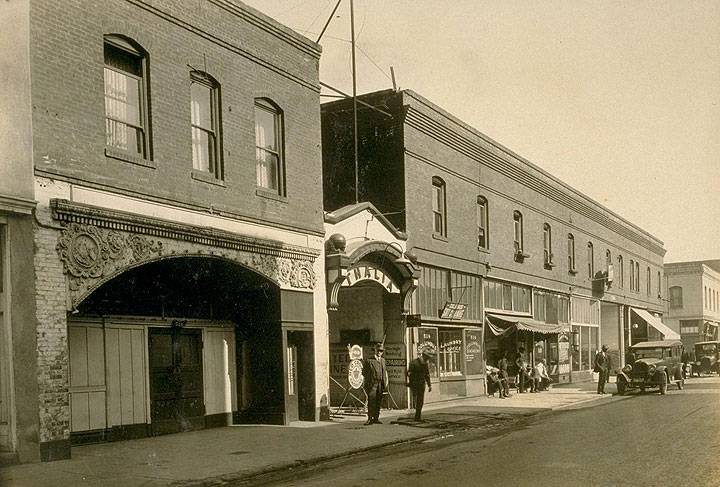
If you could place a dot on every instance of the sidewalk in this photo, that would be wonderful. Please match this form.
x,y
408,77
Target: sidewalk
x,y
209,457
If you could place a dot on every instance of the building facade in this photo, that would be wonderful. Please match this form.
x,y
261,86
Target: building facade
x,y
511,260
694,300
161,224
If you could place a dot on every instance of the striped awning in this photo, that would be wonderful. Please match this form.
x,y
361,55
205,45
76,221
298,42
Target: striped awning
x,y
501,325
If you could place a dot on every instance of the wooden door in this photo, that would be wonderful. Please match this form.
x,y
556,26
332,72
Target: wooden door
x,y
176,386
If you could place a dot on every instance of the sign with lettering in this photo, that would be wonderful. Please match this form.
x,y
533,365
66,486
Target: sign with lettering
x,y
396,362
473,352
453,311
370,273
355,375
428,340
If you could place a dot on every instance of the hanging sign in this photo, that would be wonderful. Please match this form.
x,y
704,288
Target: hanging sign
x,y
370,273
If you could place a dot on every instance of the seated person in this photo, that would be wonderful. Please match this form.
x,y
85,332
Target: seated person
x,y
541,379
494,383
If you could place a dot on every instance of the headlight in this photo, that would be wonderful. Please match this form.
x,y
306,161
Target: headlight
x,y
651,370
627,369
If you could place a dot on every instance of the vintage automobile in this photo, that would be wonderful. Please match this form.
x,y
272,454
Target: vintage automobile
x,y
706,357
656,364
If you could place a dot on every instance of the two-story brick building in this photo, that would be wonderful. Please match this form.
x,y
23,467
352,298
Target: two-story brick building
x,y
170,277
511,259
694,300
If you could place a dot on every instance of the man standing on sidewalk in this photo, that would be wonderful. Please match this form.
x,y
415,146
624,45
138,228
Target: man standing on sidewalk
x,y
602,367
376,382
418,375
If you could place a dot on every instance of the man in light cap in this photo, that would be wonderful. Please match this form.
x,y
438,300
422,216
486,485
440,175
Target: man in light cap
x,y
418,375
375,383
602,367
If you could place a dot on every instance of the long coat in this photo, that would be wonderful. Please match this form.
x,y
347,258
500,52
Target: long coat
x,y
374,373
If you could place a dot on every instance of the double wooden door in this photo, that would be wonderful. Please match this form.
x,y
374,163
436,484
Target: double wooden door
x,y
176,380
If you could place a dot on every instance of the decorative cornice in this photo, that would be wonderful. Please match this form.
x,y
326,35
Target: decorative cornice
x,y
471,149
69,212
14,204
258,22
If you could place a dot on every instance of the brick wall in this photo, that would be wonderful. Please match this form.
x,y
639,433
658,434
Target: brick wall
x,y
234,45
52,348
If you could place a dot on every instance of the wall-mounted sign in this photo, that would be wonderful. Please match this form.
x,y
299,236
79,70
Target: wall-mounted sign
x,y
453,311
370,273
473,352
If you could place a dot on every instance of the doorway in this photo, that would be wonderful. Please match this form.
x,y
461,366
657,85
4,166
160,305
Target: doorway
x,y
300,377
176,380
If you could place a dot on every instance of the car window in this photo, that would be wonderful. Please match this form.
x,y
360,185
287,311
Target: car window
x,y
649,353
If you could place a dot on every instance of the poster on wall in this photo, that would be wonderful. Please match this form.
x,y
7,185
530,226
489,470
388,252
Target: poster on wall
x,y
427,339
473,352
563,354
396,362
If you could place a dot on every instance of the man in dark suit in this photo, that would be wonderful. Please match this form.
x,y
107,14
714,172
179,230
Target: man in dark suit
x,y
418,375
602,367
375,382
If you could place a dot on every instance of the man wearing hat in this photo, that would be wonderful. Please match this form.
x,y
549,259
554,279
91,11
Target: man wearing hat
x,y
418,374
602,367
375,383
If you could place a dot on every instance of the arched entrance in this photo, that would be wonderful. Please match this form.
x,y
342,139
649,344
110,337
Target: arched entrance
x,y
177,344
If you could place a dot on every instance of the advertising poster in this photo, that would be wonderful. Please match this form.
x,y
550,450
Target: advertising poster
x,y
428,340
473,352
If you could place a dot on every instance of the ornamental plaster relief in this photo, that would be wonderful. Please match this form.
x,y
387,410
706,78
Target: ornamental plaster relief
x,y
92,255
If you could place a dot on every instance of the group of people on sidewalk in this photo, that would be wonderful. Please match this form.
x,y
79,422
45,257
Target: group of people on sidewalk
x,y
535,378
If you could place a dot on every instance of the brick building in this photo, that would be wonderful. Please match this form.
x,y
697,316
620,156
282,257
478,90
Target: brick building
x,y
162,160
694,300
510,258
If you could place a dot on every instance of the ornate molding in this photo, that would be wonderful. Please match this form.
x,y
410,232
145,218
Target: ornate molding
x,y
91,255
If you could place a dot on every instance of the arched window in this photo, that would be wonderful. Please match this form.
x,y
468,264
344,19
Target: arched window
x,y
620,271
547,246
126,96
205,124
676,297
659,284
269,146
518,232
648,284
637,276
439,207
482,222
590,260
571,253
632,275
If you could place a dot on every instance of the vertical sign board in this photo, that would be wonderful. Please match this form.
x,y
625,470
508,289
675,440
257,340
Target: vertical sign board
x,y
473,352
396,362
427,339
339,363
563,354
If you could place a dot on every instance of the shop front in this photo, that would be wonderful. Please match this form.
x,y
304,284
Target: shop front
x,y
585,336
370,282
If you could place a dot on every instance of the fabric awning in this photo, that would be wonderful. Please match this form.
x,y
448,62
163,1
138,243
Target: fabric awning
x,y
500,325
666,331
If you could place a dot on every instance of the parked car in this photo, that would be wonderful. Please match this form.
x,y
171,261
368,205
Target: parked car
x,y
656,364
707,355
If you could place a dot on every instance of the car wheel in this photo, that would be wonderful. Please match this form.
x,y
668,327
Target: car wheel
x,y
681,384
663,383
621,386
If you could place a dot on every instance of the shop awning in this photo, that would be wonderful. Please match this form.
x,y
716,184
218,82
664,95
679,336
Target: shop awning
x,y
666,331
500,325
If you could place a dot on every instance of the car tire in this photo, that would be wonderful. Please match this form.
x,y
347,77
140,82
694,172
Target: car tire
x,y
663,383
621,385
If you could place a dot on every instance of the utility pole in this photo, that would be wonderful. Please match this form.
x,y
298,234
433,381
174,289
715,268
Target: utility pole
x,y
354,95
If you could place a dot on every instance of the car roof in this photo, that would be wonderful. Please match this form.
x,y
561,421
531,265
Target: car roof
x,y
706,343
656,344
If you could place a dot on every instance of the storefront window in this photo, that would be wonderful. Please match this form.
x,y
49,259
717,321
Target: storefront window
x,y
450,353
577,333
473,352
506,297
594,346
427,339
584,349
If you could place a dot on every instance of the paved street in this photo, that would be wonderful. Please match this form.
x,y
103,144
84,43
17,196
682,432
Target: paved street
x,y
639,440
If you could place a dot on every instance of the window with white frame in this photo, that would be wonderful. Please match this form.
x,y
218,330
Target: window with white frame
x,y
571,253
205,124
518,232
590,260
621,271
482,222
269,140
439,207
547,246
126,113
632,275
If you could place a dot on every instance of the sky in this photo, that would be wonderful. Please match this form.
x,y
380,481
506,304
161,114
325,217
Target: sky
x,y
618,99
